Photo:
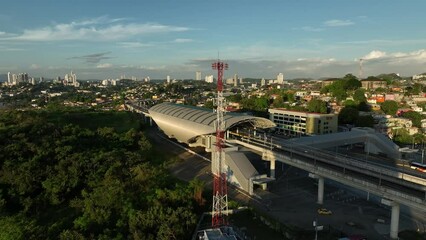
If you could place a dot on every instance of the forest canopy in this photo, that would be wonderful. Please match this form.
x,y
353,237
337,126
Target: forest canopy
x,y
87,175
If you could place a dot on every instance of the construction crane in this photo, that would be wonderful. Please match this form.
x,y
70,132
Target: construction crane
x,y
220,194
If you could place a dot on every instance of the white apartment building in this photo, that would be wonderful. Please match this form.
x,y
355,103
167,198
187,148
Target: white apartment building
x,y
419,76
280,78
209,78
295,123
198,75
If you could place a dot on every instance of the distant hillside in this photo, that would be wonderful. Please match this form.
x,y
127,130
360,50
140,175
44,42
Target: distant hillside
x,y
389,76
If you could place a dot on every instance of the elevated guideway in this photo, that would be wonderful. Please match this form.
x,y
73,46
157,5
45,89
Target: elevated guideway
x,y
375,143
141,106
395,186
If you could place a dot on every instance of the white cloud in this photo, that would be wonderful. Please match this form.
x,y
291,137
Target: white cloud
x,y
338,23
183,40
34,66
312,29
418,56
104,65
96,29
374,54
9,49
152,68
134,44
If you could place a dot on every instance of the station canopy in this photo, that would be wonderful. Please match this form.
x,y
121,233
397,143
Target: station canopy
x,y
187,123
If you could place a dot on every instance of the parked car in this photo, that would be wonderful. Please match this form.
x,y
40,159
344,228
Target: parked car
x,y
324,211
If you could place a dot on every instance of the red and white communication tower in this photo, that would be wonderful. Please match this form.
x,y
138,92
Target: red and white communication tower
x,y
220,193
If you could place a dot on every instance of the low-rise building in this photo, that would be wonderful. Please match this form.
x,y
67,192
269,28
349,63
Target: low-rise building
x,y
295,123
371,84
387,124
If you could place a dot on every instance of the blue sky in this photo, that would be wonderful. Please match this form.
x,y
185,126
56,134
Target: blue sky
x,y
106,39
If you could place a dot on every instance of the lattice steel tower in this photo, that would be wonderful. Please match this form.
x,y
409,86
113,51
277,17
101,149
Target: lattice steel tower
x,y
220,193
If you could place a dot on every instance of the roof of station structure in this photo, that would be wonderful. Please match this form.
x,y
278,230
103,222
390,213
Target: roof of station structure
x,y
187,123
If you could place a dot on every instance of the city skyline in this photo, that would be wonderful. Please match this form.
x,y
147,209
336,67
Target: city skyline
x,y
105,39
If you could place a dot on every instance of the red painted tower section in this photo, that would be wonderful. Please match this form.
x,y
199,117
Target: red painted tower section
x,y
220,194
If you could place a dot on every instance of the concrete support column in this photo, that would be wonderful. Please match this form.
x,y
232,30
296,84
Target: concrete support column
x,y
320,190
209,143
150,121
394,224
272,168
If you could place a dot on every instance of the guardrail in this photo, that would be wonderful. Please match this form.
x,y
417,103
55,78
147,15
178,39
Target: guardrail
x,y
374,188
389,173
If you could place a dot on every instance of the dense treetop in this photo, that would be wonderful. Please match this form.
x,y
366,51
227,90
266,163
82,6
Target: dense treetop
x,y
75,181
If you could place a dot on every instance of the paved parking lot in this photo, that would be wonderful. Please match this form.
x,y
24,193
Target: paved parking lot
x,y
292,199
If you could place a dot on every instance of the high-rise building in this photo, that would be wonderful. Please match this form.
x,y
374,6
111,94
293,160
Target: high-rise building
x,y
209,78
280,78
14,79
9,78
262,82
198,75
229,81
235,80
168,79
71,80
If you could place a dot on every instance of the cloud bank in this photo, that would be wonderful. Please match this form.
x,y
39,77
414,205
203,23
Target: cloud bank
x,y
96,29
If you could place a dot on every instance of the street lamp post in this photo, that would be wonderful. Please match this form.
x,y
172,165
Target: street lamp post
x,y
317,228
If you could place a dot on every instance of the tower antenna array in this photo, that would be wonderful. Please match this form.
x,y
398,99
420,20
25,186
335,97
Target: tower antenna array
x,y
220,194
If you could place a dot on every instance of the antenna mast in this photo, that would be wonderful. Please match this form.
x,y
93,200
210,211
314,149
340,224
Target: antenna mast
x,y
360,69
220,193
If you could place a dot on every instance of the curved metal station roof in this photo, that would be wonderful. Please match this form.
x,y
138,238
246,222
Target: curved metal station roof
x,y
186,123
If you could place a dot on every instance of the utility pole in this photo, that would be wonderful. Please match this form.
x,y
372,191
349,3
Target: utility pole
x,y
360,69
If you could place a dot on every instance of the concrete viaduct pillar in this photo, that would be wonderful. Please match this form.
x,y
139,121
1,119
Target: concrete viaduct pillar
x,y
272,168
320,190
394,224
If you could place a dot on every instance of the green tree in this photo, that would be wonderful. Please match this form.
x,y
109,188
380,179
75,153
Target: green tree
x,y
351,82
348,115
350,103
318,106
235,98
278,102
63,181
365,121
363,106
389,107
359,96
338,89
209,104
402,136
415,117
